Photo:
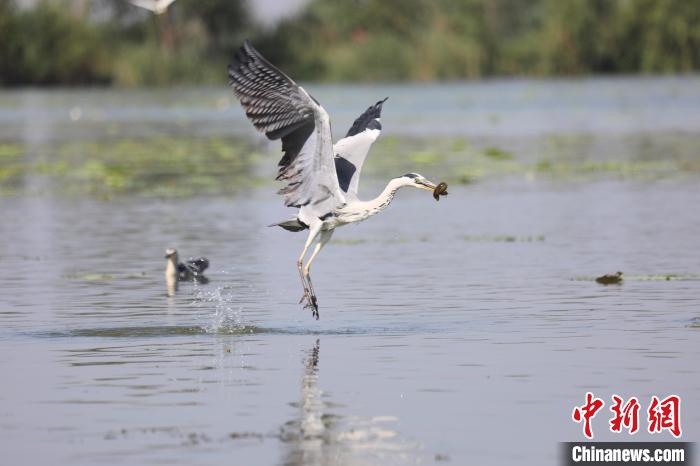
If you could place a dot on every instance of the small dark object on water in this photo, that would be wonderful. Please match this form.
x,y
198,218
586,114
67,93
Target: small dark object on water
x,y
192,270
440,190
610,278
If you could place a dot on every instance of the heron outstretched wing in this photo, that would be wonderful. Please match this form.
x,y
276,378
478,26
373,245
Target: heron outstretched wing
x,y
282,109
351,151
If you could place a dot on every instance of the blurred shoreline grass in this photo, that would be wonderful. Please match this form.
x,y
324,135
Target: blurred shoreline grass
x,y
110,42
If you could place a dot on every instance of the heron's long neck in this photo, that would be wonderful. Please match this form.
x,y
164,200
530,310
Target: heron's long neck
x,y
382,201
171,267
361,210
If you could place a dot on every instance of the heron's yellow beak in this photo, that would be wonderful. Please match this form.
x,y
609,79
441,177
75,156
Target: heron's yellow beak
x,y
425,184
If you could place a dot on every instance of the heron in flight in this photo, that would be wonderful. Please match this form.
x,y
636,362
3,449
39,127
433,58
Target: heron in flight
x,y
321,178
156,6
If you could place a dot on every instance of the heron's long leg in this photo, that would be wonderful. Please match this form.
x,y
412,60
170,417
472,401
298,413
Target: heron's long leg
x,y
313,233
325,237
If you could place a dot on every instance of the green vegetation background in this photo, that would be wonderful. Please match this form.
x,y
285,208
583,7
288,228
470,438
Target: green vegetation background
x,y
110,42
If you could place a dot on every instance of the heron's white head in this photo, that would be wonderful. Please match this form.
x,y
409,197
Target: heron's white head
x,y
171,254
417,181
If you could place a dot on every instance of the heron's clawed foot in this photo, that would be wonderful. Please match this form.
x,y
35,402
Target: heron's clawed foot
x,y
311,303
306,297
314,305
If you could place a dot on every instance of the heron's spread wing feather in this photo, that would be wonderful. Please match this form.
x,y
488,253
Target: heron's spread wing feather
x,y
272,101
351,151
282,109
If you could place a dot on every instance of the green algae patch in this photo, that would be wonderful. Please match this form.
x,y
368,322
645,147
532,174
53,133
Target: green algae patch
x,y
158,166
349,241
178,165
494,153
558,157
504,238
11,167
649,278
10,151
102,277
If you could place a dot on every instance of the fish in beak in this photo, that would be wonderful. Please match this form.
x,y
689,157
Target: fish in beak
x,y
422,183
440,190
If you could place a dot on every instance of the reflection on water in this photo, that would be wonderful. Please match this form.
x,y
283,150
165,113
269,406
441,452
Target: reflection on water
x,y
310,435
320,436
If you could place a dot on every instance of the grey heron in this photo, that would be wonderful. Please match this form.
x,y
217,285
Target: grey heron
x,y
321,178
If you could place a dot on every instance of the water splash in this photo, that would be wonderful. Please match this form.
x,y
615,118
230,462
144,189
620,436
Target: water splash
x,y
227,315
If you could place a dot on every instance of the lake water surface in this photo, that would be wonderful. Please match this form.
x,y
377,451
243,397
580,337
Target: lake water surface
x,y
458,332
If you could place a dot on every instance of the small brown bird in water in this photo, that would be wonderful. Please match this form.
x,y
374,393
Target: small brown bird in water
x,y
440,190
610,278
